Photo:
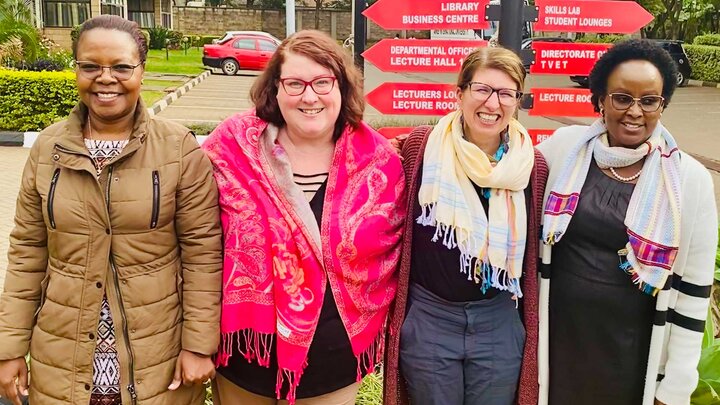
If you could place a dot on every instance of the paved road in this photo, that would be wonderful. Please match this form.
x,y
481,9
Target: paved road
x,y
12,161
213,100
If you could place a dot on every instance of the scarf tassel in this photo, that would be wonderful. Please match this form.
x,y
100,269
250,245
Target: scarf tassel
x,y
628,268
371,357
293,380
487,276
251,344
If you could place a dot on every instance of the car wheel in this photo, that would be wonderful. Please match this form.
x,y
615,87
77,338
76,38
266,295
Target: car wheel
x,y
230,67
680,79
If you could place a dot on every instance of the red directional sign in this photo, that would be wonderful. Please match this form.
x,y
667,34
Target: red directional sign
x,y
420,55
428,14
413,98
539,135
562,103
600,16
392,132
561,58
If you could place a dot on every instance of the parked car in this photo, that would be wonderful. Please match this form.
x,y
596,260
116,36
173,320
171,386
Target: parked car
x,y
230,34
676,51
250,52
527,44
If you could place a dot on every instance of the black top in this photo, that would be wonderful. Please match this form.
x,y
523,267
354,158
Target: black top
x,y
331,362
437,268
600,322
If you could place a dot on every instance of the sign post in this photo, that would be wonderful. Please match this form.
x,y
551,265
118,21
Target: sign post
x,y
563,58
601,16
428,14
420,55
446,56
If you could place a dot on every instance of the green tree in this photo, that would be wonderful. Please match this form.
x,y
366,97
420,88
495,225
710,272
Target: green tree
x,y
16,25
273,4
318,8
681,19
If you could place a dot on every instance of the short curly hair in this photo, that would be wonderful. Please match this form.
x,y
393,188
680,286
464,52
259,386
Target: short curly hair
x,y
632,49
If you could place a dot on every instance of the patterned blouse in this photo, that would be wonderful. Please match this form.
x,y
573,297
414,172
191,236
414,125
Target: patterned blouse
x,y
106,367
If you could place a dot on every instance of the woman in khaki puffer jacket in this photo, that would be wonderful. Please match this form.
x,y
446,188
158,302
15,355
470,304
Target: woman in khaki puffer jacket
x,y
135,233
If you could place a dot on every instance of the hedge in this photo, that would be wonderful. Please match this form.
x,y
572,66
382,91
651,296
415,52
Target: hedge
x,y
704,61
200,40
30,101
707,39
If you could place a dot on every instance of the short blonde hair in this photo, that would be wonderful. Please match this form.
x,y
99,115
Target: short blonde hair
x,y
498,58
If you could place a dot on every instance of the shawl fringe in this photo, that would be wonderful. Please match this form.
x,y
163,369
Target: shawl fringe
x,y
257,346
478,270
628,268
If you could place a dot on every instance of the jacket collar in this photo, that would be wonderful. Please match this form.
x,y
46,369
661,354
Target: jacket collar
x,y
70,147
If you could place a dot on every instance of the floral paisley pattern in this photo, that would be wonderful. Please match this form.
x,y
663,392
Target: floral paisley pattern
x,y
277,259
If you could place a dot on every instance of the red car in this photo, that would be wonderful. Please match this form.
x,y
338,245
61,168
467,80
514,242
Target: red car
x,y
250,52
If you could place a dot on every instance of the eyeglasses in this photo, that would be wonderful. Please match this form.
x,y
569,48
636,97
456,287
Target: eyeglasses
x,y
121,71
321,85
483,92
623,102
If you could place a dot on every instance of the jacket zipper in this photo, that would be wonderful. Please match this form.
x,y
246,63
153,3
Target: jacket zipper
x,y
123,315
51,197
156,199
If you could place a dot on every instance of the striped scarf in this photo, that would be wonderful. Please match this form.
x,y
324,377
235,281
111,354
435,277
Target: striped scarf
x,y
653,215
491,250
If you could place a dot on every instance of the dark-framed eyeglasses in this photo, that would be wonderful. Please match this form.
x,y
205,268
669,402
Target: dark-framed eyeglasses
x,y
483,92
92,70
623,102
320,85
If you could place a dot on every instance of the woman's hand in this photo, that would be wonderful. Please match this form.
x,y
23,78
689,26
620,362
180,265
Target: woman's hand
x,y
657,402
398,143
13,379
192,368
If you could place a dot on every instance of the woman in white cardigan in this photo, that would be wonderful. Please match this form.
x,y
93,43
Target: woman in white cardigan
x,y
630,232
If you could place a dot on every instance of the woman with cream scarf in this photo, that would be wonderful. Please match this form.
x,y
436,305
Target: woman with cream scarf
x,y
467,294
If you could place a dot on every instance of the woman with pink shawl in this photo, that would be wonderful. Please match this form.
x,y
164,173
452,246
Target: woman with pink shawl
x,y
312,202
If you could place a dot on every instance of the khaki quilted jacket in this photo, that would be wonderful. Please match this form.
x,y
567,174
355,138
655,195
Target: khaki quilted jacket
x,y
146,233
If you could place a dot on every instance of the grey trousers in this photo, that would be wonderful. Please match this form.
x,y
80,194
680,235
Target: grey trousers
x,y
461,353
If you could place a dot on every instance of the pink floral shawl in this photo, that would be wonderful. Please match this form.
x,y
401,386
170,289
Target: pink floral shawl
x,y
277,258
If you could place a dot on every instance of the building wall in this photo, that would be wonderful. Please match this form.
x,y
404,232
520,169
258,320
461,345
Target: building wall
x,y
60,36
216,21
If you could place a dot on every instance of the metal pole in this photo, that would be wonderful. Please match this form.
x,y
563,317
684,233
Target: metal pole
x,y
289,17
511,24
359,33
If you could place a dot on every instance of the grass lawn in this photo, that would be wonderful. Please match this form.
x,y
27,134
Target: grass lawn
x,y
153,90
151,96
178,62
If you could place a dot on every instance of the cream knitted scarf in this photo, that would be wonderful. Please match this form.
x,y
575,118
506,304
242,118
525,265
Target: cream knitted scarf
x,y
491,246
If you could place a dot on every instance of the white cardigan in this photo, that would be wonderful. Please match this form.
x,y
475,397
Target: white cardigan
x,y
682,309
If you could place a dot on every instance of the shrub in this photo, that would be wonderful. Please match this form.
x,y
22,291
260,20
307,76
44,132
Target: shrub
x,y
705,62
707,39
74,33
174,39
602,39
30,101
200,40
158,35
41,65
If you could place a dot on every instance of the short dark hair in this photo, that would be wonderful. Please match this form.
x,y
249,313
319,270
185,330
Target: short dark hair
x,y
320,48
632,49
113,22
